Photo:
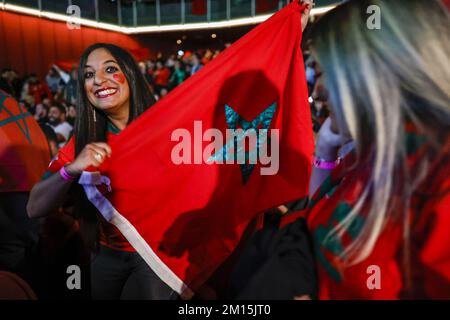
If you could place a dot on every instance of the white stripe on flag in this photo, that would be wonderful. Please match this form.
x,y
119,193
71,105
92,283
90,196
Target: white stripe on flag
x,y
89,181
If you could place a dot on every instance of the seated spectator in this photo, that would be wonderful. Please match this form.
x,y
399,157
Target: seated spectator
x,y
196,64
143,68
161,76
38,90
70,90
57,120
41,113
178,75
52,139
71,114
163,93
5,81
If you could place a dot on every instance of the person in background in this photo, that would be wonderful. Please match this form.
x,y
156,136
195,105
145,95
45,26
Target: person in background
x,y
196,64
161,76
71,114
6,81
38,90
52,139
170,62
319,105
178,75
310,74
41,113
143,68
207,57
57,120
17,83
70,90
163,93
150,66
56,79
216,53
378,218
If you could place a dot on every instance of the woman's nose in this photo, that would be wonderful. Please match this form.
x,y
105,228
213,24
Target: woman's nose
x,y
99,78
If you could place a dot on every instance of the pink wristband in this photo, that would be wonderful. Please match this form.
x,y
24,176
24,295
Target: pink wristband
x,y
65,175
326,165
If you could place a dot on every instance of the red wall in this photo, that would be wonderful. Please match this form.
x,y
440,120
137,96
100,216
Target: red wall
x,y
31,45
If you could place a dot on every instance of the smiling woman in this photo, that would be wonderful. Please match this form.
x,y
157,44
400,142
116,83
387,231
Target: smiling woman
x,y
106,87
105,70
106,105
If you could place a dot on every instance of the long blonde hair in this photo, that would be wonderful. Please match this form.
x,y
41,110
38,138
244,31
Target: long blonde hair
x,y
377,81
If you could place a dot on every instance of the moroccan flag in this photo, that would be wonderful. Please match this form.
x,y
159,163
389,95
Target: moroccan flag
x,y
181,208
24,151
199,7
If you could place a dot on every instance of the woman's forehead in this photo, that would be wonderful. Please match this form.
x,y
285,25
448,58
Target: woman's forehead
x,y
98,57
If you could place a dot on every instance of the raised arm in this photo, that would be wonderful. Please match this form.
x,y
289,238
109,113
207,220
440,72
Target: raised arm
x,y
48,194
328,144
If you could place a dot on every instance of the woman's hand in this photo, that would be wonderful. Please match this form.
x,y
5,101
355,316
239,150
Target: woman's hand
x,y
305,14
47,195
92,155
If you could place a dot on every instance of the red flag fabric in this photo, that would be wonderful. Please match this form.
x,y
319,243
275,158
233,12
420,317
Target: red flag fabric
x,y
199,7
447,3
24,151
186,219
66,66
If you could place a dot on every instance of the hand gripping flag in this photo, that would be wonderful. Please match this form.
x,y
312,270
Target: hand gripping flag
x,y
185,217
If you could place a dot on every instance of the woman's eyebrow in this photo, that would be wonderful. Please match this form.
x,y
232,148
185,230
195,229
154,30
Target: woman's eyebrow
x,y
107,61
104,62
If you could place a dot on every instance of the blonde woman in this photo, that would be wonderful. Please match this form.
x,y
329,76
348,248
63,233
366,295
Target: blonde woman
x,y
379,219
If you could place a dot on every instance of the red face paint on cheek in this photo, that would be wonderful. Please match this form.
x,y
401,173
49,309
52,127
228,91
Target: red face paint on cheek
x,y
119,77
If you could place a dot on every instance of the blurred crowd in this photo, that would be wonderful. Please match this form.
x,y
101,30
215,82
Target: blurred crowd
x,y
52,100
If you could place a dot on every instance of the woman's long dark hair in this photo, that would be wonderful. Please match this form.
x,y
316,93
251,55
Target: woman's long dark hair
x,y
87,130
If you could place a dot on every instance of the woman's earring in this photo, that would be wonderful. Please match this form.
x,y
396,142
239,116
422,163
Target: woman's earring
x,y
95,117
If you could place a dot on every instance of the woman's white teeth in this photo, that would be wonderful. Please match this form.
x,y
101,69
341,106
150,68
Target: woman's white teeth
x,y
106,92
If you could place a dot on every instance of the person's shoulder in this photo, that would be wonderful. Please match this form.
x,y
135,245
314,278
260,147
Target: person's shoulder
x,y
48,131
67,125
63,127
